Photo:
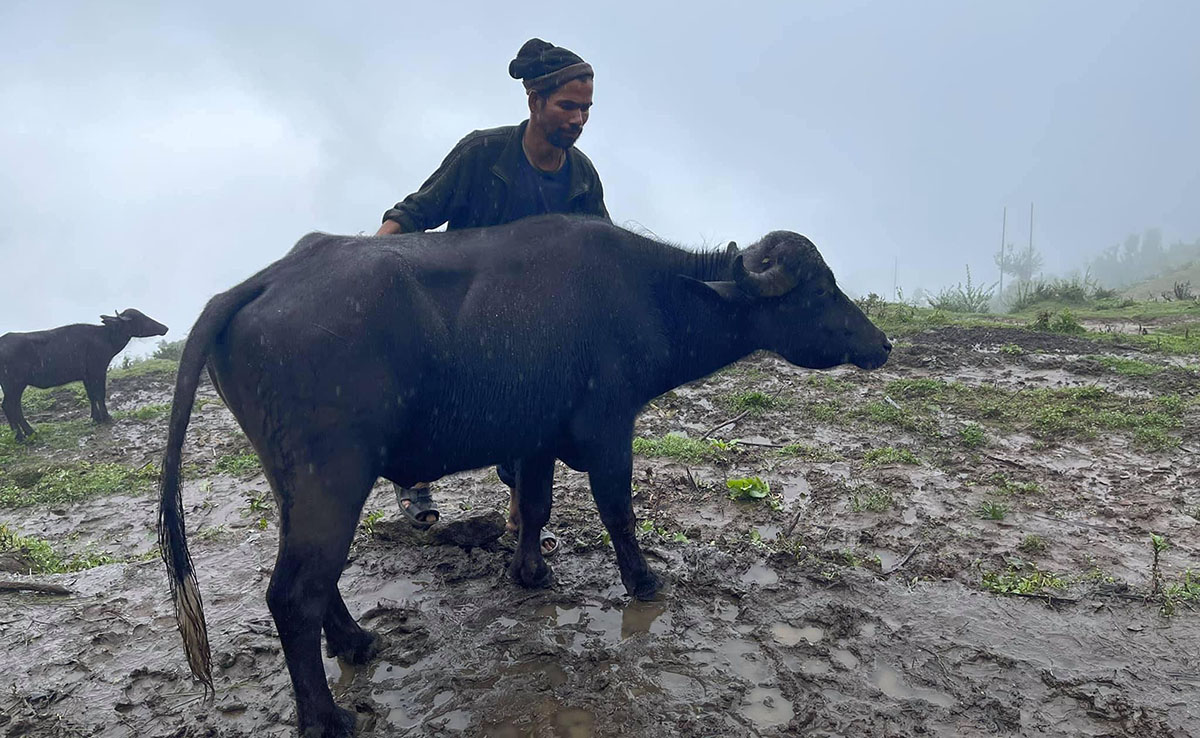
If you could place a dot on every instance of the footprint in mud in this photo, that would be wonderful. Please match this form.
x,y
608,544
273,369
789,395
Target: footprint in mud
x,y
889,681
767,707
759,573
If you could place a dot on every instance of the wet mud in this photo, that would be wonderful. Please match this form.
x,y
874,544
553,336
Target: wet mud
x,y
807,613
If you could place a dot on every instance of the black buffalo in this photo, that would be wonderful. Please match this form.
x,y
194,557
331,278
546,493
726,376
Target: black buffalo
x,y
415,356
67,354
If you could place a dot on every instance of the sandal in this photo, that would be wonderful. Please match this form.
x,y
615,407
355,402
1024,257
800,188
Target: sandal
x,y
421,510
547,537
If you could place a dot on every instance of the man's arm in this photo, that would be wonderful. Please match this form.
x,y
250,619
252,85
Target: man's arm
x,y
388,228
436,201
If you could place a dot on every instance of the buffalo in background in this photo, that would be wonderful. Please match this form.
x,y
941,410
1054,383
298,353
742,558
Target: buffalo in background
x,y
68,354
419,355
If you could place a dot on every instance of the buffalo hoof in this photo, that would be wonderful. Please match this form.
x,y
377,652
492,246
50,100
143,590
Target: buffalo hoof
x,y
356,650
340,724
532,575
646,587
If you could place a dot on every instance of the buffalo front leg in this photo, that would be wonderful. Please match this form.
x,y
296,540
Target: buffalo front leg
x,y
95,387
535,481
319,511
612,491
12,412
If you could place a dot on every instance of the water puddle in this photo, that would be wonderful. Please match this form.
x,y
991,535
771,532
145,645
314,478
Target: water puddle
x,y
741,657
760,574
614,624
887,559
767,707
844,657
890,682
547,718
400,590
645,617
788,635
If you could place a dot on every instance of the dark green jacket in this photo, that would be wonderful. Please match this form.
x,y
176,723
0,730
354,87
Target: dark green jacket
x,y
470,188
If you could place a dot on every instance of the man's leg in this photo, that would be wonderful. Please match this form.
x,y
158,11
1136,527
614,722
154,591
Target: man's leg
x,y
508,474
416,502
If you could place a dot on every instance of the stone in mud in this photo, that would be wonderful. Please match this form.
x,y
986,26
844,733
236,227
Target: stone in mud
x,y
471,532
18,561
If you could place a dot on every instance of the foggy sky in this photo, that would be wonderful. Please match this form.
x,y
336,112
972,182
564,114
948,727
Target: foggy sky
x,y
152,156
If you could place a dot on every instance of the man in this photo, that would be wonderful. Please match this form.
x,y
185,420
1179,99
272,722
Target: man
x,y
500,175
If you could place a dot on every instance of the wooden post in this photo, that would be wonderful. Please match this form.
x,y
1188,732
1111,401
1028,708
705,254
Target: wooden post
x,y
1003,231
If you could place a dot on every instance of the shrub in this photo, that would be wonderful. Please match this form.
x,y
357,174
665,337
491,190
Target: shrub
x,y
970,298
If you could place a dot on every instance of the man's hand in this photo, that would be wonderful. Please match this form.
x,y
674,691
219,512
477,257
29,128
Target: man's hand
x,y
388,228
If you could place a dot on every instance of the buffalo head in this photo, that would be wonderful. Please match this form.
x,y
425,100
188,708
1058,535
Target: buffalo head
x,y
797,310
135,323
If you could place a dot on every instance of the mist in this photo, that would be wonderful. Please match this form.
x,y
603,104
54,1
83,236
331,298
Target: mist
x,y
154,156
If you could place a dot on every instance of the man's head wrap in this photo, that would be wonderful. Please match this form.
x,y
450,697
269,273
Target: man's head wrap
x,y
543,66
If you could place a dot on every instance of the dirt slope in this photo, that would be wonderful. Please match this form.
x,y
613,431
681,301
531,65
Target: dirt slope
x,y
857,598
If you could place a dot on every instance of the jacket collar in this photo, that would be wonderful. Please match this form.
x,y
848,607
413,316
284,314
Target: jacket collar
x,y
509,162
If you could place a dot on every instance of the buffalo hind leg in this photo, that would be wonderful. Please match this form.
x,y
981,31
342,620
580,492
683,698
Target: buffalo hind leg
x,y
535,481
610,484
344,637
321,507
12,411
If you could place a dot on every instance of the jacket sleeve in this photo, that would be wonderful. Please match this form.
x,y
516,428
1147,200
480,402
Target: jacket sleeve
x,y
440,196
601,210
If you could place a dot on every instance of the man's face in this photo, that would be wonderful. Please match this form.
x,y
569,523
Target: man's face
x,y
561,114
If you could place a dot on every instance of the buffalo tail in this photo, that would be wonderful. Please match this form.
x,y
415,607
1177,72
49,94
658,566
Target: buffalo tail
x,y
172,539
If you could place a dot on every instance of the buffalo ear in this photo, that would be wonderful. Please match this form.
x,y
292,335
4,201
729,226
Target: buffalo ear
x,y
731,249
723,292
106,319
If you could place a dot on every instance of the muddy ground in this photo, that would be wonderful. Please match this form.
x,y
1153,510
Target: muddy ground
x,y
858,598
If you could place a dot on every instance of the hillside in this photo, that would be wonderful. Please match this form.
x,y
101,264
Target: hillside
x,y
959,543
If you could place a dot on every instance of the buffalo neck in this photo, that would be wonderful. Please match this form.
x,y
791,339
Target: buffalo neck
x,y
705,331
117,336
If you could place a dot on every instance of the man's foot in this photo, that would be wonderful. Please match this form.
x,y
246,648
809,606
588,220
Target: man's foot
x,y
417,505
546,537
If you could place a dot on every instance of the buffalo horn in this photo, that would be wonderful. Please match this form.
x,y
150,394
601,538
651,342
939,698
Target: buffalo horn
x,y
775,281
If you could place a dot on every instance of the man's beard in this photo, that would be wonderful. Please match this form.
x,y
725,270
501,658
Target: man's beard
x,y
563,139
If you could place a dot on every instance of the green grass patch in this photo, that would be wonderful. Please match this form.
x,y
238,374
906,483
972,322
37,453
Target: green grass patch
x,y
239,465
146,412
1074,412
42,557
1022,578
809,453
68,396
1009,486
971,435
682,448
164,367
890,455
871,500
828,411
753,403
829,383
74,482
1128,367
992,510
1032,544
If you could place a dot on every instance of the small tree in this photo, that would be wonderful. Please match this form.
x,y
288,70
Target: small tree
x,y
1021,264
